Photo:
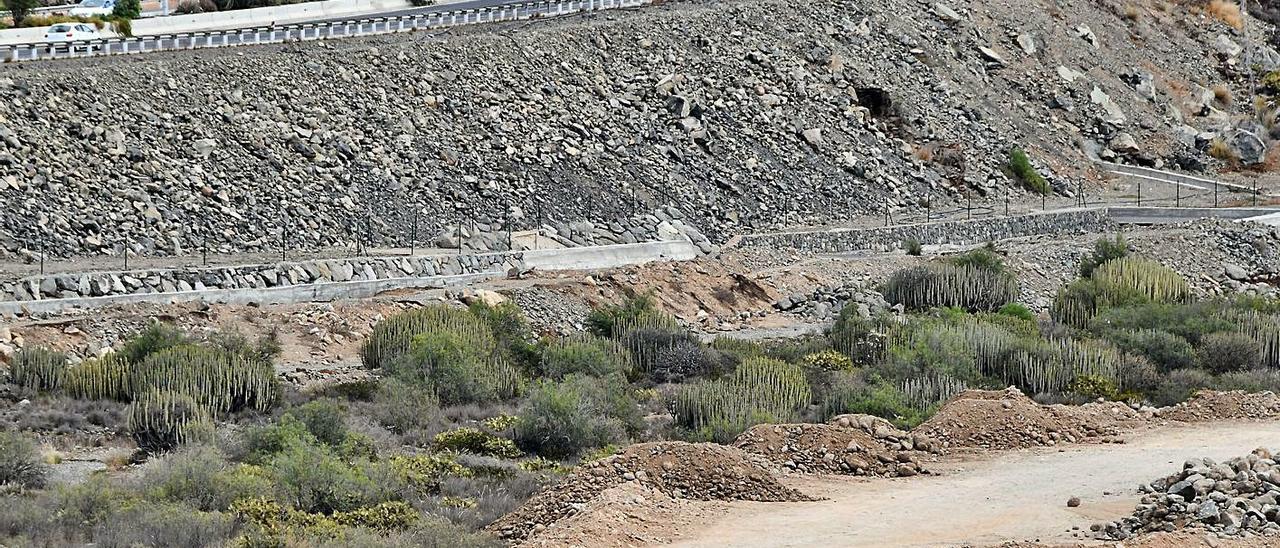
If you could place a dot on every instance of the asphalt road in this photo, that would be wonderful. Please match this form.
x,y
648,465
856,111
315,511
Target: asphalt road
x,y
328,28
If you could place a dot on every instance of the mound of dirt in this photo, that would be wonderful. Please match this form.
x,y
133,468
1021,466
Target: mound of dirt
x,y
1009,420
630,514
823,448
701,471
1209,405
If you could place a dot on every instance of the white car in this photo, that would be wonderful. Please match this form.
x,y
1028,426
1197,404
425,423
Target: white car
x,y
71,32
88,8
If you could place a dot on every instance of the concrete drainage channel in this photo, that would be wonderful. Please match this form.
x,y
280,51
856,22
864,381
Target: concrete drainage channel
x,y
313,281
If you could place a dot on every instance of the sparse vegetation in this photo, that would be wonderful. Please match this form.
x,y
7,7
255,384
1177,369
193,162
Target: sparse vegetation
x,y
1020,166
1226,11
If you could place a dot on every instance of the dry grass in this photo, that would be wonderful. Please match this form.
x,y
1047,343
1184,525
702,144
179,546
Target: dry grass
x,y
1222,94
923,153
1132,13
1221,150
1227,12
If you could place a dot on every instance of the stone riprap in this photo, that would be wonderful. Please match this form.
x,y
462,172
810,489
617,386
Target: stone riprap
x,y
747,115
963,232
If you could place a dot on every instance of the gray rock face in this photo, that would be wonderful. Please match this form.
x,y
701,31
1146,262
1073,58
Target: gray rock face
x,y
706,108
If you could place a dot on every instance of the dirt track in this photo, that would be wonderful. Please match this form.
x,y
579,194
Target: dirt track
x,y
1008,496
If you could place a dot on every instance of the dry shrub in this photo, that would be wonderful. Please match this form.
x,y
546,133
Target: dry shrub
x,y
1227,12
1132,13
1222,94
1221,150
923,153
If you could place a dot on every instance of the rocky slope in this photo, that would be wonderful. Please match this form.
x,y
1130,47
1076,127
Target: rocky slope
x,y
741,114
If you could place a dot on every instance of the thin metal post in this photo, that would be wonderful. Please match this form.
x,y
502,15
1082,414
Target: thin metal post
x,y
284,235
1006,203
126,251
1139,193
43,245
459,232
413,235
204,249
1044,197
968,207
1215,194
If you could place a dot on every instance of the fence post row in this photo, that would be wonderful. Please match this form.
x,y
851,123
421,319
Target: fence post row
x,y
255,35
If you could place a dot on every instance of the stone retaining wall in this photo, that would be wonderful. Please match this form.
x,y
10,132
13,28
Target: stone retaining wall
x,y
944,232
139,282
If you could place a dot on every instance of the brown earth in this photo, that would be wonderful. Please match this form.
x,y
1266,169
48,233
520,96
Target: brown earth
x,y
1009,420
702,471
1209,405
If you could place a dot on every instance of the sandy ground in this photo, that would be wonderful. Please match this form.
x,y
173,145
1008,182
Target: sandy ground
x,y
979,500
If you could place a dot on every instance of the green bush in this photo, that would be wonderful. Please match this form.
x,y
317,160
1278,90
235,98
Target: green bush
x,y
1092,387
850,393
640,310
314,479
1104,250
1228,352
1180,384
220,381
403,409
1020,166
155,338
1253,380
511,331
190,476
646,343
1165,350
456,370
562,419
984,258
912,247
148,523
392,338
38,369
1192,322
324,419
1123,282
947,285
587,355
20,463
475,441
128,9
159,421
425,473
1019,311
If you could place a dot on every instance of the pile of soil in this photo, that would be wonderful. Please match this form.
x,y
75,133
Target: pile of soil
x,y
823,448
1009,420
630,514
701,471
1209,405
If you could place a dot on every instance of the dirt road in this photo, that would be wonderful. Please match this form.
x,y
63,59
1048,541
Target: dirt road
x,y
984,501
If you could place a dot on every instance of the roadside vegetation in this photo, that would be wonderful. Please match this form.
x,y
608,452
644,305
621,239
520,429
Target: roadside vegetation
x,y
469,412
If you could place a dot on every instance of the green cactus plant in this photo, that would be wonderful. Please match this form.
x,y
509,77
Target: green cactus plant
x,y
949,285
160,420
392,338
38,369
760,389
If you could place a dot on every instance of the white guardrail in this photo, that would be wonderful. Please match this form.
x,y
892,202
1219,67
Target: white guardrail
x,y
307,31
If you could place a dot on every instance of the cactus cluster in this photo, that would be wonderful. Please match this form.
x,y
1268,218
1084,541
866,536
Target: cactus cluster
x,y
219,381
647,336
38,369
760,388
392,338
950,285
1118,282
159,420
1263,328
923,393
585,354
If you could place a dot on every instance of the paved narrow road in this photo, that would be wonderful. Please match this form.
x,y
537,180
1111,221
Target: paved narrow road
x,y
1007,496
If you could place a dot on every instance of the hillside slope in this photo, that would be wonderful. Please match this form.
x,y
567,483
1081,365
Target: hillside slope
x,y
743,114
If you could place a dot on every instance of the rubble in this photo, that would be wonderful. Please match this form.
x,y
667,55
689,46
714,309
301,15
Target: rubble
x,y
1211,405
1233,498
1007,419
824,448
